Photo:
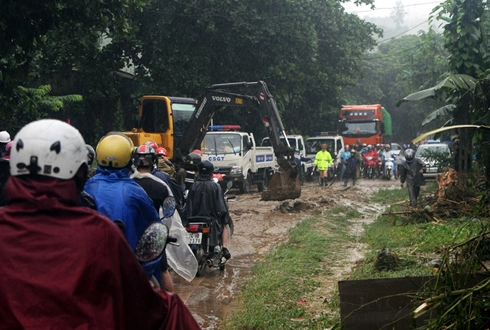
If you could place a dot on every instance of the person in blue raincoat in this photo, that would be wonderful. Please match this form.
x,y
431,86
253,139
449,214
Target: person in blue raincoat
x,y
117,195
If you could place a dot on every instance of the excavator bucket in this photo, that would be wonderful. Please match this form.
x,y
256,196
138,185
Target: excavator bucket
x,y
284,184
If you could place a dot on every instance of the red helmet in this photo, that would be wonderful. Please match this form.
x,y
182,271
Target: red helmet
x,y
162,151
197,151
152,144
144,155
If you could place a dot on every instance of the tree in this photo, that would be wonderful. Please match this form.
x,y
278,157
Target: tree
x,y
398,13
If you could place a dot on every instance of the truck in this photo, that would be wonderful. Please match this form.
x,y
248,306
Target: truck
x,y
237,157
334,141
297,142
184,134
370,124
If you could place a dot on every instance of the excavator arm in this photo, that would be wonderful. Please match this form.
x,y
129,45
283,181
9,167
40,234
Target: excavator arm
x,y
283,184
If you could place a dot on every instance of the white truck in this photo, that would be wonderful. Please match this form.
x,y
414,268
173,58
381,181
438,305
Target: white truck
x,y
236,155
296,142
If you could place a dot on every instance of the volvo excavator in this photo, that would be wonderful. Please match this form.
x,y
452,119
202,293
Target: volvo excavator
x,y
284,183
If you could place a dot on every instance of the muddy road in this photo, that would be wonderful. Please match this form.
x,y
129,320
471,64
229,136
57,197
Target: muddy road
x,y
260,225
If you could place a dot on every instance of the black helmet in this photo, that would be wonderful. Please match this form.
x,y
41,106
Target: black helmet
x,y
206,168
90,154
409,155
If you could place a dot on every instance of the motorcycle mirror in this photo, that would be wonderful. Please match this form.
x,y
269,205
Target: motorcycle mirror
x,y
152,242
229,184
169,205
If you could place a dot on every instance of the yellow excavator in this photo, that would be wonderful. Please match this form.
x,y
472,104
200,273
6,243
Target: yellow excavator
x,y
180,124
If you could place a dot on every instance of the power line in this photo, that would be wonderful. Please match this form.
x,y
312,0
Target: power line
x,y
403,32
375,9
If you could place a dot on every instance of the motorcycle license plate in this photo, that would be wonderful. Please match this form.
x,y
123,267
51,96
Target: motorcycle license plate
x,y
195,238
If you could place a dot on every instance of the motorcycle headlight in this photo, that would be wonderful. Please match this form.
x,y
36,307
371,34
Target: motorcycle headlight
x,y
236,170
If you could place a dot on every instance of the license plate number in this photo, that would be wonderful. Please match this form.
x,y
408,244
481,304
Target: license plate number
x,y
195,238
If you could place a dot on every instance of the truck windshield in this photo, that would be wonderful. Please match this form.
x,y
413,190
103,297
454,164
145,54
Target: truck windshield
x,y
359,129
266,142
224,143
182,113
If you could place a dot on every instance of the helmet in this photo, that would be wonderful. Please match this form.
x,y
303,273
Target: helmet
x,y
8,148
296,150
162,151
90,154
4,137
152,144
145,155
370,147
192,160
364,145
409,155
353,151
58,154
405,146
378,145
197,151
387,146
206,168
114,150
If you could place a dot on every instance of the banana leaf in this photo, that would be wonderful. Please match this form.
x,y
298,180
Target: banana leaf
x,y
439,112
450,84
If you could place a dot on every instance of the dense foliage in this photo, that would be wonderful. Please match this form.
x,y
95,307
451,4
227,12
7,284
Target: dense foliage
x,y
306,50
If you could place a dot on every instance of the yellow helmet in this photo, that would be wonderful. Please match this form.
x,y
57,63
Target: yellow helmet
x,y
114,150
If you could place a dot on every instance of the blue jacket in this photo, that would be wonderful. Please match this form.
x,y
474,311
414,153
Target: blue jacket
x,y
118,197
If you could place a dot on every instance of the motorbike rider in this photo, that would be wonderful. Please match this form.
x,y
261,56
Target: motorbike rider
x,y
164,164
71,266
206,199
4,139
91,156
412,172
144,160
117,196
399,160
385,155
322,160
370,153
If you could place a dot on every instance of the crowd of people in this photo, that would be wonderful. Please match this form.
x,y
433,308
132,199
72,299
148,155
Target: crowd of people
x,y
68,230
351,164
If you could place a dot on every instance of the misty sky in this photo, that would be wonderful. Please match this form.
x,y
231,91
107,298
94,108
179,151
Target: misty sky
x,y
418,8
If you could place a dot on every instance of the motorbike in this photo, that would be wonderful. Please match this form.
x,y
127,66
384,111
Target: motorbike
x,y
389,167
369,167
199,229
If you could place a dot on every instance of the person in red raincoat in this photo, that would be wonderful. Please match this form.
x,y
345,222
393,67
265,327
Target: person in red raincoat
x,y
64,266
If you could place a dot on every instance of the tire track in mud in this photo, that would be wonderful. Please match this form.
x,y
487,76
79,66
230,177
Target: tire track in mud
x,y
260,225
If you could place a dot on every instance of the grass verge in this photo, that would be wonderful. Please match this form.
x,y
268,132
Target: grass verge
x,y
273,297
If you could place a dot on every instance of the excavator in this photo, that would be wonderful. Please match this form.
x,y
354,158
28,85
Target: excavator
x,y
284,183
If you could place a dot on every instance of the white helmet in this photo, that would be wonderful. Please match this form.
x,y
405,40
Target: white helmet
x,y
48,147
4,137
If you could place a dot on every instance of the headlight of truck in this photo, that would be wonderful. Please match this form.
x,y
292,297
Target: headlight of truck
x,y
236,170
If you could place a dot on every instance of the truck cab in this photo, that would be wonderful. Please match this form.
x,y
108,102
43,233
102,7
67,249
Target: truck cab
x,y
334,141
296,142
235,155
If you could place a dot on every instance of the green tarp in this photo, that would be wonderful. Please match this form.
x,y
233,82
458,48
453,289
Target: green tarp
x,y
386,121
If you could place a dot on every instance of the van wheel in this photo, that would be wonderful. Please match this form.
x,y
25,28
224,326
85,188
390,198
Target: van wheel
x,y
246,184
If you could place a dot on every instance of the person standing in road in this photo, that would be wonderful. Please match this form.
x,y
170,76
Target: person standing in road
x,y
344,155
322,160
351,168
412,172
